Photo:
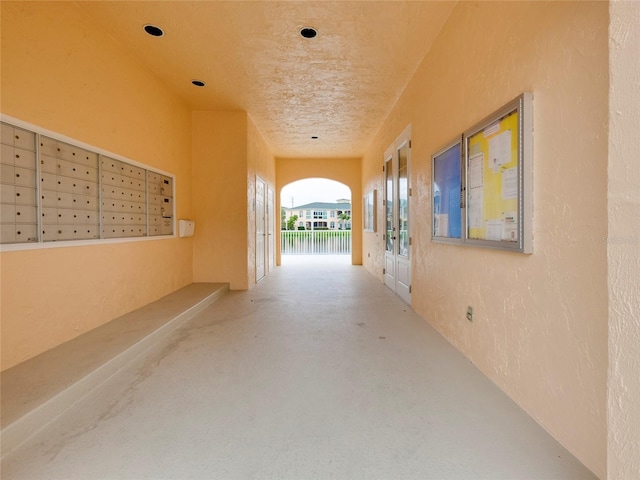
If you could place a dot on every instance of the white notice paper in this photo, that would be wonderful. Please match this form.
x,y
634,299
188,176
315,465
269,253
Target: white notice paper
x,y
491,129
500,150
494,229
476,181
475,171
510,183
475,208
510,230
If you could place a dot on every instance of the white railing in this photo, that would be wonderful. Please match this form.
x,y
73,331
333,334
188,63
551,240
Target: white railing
x,y
315,242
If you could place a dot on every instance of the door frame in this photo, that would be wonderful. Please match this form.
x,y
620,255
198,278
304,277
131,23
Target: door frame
x,y
260,228
271,228
397,267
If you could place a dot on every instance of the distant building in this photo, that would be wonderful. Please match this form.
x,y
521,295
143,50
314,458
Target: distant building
x,y
320,216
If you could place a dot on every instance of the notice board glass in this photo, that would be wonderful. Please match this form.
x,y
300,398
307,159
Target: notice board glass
x,y
498,177
369,211
446,194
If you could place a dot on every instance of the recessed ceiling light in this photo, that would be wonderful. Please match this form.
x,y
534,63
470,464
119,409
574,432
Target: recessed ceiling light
x,y
308,32
153,30
198,83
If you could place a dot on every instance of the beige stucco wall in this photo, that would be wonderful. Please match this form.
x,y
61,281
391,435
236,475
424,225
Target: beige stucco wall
x,y
623,242
61,73
261,163
540,325
344,170
373,179
220,173
228,154
540,320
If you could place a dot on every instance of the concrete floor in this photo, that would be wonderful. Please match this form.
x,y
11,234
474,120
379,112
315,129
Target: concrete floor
x,y
318,372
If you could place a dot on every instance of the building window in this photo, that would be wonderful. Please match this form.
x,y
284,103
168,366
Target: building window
x,y
333,225
320,214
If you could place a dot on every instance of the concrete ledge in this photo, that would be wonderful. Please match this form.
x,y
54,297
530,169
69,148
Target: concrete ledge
x,y
37,391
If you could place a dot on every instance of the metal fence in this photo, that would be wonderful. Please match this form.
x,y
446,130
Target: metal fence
x,y
315,242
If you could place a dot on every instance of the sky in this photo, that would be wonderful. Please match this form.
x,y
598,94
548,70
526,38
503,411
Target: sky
x,y
313,190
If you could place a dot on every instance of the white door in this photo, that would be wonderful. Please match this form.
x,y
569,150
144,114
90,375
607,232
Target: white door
x,y
260,230
397,197
271,228
390,236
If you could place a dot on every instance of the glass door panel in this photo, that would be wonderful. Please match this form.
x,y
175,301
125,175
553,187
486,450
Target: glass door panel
x,y
403,200
390,230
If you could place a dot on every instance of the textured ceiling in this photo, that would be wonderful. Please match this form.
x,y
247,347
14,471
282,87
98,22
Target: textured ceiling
x,y
338,86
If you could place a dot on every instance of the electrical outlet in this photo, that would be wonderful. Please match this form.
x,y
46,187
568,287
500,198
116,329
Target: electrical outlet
x,y
470,313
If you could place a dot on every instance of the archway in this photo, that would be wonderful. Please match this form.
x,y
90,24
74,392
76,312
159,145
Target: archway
x,y
315,219
344,170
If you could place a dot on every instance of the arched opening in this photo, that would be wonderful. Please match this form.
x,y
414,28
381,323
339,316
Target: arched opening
x,y
315,219
347,171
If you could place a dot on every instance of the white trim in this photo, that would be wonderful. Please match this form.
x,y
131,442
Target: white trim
x,y
12,247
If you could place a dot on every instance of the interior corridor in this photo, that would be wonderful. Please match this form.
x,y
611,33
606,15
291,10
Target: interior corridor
x,y
317,372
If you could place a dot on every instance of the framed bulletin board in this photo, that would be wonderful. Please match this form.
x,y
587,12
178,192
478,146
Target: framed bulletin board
x,y
369,211
498,178
446,190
